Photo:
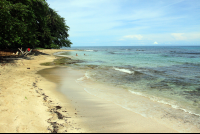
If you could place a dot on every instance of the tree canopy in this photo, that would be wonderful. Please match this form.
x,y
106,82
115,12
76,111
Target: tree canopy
x,y
31,23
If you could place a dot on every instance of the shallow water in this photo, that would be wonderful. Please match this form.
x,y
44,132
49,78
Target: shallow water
x,y
169,76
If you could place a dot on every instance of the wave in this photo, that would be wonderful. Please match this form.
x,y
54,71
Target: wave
x,y
123,70
85,77
159,100
89,50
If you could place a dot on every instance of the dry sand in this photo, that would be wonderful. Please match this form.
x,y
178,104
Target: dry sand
x,y
31,103
28,102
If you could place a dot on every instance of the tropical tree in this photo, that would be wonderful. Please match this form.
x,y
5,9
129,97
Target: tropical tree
x,y
58,34
31,23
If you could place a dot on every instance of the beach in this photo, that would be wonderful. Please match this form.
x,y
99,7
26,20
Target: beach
x,y
35,102
29,102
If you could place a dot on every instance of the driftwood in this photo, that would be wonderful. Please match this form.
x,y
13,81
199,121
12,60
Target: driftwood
x,y
24,53
12,56
8,53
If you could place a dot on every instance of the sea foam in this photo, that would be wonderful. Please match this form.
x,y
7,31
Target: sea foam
x,y
86,76
159,100
123,70
89,50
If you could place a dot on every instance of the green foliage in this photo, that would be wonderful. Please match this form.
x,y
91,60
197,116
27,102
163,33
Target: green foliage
x,y
59,31
47,64
31,23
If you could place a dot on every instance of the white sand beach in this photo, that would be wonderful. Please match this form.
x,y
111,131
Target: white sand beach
x,y
32,103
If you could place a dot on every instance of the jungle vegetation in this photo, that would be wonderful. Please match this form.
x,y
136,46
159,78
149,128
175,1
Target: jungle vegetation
x,y
31,24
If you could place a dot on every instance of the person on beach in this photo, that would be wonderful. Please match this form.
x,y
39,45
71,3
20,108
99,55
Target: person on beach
x,y
76,54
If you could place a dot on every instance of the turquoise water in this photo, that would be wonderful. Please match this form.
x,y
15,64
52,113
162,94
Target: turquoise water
x,y
167,75
139,56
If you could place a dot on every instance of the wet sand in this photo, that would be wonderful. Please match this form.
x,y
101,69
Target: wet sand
x,y
54,102
98,115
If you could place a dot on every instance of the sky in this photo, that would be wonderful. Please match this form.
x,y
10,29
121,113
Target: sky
x,y
131,22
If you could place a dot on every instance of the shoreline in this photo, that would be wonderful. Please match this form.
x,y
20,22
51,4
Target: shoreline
x,y
167,101
100,115
30,103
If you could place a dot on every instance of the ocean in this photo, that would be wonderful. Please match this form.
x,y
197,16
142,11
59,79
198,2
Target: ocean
x,y
167,76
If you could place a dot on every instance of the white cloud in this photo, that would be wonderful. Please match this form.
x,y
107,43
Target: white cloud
x,y
138,36
155,42
186,36
178,36
107,19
